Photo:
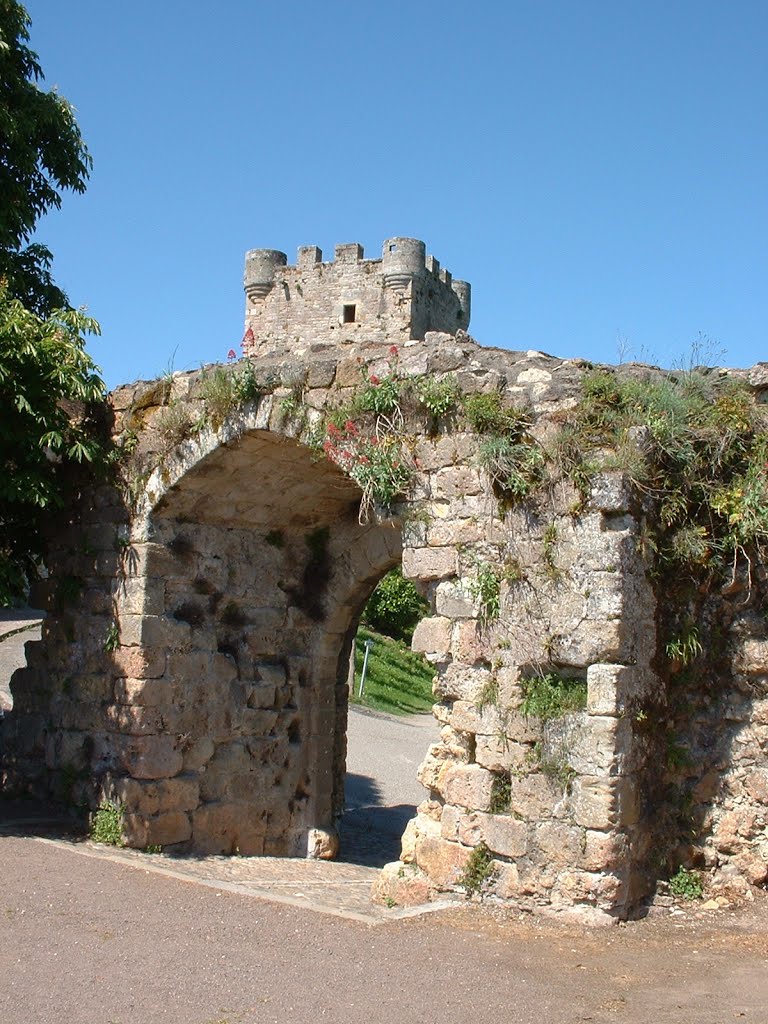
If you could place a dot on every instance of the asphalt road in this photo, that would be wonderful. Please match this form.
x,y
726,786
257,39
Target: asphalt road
x,y
88,941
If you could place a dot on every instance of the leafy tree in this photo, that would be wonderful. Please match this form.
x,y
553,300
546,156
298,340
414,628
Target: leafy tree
x,y
41,153
47,380
395,607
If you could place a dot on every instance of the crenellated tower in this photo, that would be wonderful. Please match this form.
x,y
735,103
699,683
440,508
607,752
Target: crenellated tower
x,y
394,299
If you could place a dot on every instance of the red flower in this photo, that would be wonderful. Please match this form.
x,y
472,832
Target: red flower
x,y
333,430
350,427
393,350
231,354
374,379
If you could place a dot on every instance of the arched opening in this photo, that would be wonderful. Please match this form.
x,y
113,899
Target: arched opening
x,y
248,579
389,724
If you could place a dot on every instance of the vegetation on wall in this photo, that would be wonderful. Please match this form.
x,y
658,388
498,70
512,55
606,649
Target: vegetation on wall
x,y
696,448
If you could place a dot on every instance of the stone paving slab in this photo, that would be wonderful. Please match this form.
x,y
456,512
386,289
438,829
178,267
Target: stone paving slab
x,y
326,887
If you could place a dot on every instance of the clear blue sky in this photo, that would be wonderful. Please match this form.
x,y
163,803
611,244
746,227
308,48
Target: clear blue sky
x,y
596,170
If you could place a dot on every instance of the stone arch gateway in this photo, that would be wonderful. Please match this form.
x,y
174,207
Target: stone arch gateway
x,y
193,665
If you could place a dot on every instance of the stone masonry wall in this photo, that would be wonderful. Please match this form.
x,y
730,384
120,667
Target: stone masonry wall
x,y
193,664
390,300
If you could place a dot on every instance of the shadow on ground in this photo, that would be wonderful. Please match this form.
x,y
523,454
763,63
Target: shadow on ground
x,y
370,833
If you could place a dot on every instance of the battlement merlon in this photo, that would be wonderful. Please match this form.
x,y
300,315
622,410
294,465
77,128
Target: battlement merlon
x,y
398,297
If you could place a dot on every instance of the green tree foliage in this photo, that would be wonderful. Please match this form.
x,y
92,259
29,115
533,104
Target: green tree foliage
x,y
41,153
395,607
47,380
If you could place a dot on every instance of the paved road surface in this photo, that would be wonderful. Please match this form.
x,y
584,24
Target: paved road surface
x,y
16,627
89,941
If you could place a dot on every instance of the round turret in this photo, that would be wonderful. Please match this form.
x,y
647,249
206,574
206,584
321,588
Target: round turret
x,y
463,292
260,268
402,260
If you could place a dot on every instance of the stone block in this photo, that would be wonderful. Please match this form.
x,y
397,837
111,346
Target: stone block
x,y
151,757
402,885
460,682
556,843
591,745
138,662
534,797
432,637
430,563
603,802
153,631
92,688
604,852
257,721
133,720
143,692
150,798
198,754
468,785
227,828
443,861
260,695
609,687
432,769
498,753
611,492
445,532
456,482
468,645
455,601
506,880
162,830
501,833
140,595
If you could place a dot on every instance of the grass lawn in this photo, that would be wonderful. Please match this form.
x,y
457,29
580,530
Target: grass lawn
x,y
397,680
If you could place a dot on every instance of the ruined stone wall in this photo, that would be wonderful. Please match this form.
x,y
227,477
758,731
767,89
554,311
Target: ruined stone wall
x,y
200,674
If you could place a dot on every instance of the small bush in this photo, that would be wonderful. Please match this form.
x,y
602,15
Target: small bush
x,y
107,824
485,588
516,468
395,607
439,397
174,425
479,872
686,885
486,414
551,696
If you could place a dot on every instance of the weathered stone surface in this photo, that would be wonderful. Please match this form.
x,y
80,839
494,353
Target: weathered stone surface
x,y
468,786
430,563
322,844
161,830
401,885
456,601
139,662
152,757
442,861
432,637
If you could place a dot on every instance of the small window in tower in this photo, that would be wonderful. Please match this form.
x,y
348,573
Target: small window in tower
x,y
349,314
393,248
